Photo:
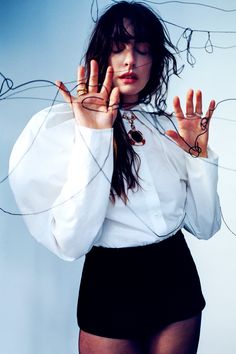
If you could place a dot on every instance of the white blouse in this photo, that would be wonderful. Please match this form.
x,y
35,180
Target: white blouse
x,y
60,174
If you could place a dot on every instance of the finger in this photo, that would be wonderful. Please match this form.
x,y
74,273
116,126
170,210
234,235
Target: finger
x,y
189,103
81,80
64,91
93,78
198,106
211,109
114,101
205,121
107,84
177,108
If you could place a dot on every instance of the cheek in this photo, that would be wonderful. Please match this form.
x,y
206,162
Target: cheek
x,y
113,61
150,62
148,71
145,64
110,60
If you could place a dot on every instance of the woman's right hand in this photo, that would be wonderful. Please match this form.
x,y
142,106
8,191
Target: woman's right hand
x,y
94,109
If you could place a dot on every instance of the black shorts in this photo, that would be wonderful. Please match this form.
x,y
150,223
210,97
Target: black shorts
x,y
134,291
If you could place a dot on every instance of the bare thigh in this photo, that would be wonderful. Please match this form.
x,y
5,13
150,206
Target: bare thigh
x,y
92,344
178,338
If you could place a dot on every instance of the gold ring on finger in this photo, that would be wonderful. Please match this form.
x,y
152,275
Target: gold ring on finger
x,y
82,91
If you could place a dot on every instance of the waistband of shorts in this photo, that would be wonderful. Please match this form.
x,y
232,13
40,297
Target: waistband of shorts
x,y
167,242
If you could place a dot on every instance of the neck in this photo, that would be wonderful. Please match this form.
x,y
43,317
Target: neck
x,y
125,104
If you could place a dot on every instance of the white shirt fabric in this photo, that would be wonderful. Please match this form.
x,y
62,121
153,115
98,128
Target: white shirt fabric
x,y
60,174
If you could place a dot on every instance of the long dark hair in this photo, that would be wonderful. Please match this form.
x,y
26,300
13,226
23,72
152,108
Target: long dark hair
x,y
147,27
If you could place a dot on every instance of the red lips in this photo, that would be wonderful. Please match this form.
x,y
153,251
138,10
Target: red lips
x,y
128,78
128,75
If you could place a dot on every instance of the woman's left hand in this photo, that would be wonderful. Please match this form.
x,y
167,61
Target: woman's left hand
x,y
193,128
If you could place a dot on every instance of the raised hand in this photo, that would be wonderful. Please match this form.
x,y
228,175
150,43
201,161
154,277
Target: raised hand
x,y
94,108
193,127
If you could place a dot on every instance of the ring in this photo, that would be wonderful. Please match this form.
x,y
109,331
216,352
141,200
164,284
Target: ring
x,y
82,91
190,115
198,114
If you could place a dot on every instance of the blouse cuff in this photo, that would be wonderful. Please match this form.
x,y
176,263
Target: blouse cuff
x,y
201,165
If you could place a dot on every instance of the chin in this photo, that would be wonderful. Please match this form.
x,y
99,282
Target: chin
x,y
129,93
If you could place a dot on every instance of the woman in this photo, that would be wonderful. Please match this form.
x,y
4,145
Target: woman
x,y
108,175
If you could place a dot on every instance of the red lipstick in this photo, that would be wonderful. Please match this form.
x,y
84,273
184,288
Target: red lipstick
x,y
128,77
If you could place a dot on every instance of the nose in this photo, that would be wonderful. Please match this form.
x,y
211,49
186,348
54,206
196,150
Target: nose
x,y
130,58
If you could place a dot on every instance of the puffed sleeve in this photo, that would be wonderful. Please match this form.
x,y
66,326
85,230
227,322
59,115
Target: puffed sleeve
x,y
60,175
203,213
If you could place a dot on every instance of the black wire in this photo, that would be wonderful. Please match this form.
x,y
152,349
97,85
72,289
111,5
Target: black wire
x,y
187,35
94,9
157,126
190,3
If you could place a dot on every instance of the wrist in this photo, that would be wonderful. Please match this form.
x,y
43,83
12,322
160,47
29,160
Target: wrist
x,y
204,154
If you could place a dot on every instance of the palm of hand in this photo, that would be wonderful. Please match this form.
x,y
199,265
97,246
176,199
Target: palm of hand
x,y
192,135
93,109
96,111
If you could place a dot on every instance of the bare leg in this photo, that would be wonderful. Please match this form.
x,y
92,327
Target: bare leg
x,y
91,344
178,338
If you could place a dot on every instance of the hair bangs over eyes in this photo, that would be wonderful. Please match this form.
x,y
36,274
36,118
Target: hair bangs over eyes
x,y
136,32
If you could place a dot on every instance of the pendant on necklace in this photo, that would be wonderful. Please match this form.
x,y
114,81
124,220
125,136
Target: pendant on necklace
x,y
135,136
